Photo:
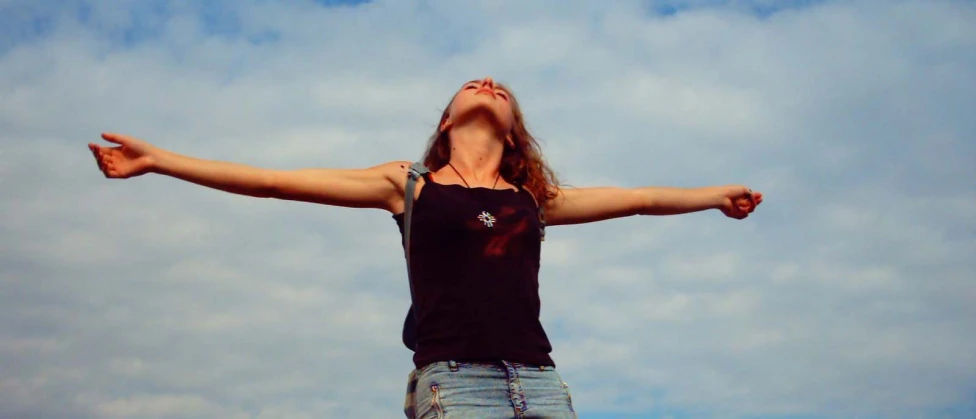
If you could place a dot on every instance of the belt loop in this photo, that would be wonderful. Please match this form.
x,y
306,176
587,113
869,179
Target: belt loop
x,y
453,365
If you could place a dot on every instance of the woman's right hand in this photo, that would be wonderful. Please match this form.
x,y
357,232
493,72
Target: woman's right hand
x,y
133,157
376,187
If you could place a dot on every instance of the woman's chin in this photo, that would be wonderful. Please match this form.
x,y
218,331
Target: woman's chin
x,y
484,114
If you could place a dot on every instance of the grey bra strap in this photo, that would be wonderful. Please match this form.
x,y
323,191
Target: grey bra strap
x,y
417,170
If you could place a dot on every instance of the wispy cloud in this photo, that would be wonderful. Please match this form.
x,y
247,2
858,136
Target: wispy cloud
x,y
849,294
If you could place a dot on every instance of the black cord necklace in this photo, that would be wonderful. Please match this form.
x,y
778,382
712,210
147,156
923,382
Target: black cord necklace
x,y
485,216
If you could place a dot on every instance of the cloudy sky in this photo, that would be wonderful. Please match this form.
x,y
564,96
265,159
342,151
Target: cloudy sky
x,y
849,294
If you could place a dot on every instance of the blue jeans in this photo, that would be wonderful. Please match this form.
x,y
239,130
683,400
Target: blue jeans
x,y
503,390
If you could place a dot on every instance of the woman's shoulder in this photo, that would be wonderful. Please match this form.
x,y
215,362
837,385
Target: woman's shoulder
x,y
395,171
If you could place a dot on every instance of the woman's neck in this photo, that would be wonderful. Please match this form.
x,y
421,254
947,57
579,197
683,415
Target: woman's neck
x,y
476,152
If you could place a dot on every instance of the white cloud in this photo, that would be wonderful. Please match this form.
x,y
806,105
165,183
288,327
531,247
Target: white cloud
x,y
848,294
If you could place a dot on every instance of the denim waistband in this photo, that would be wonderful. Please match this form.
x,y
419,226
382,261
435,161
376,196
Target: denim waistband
x,y
500,364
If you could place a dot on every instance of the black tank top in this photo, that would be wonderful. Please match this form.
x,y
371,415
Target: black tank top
x,y
475,266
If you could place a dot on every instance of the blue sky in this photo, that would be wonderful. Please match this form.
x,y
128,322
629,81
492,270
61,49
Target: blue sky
x,y
849,294
761,9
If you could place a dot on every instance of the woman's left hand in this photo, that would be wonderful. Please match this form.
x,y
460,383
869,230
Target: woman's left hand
x,y
739,201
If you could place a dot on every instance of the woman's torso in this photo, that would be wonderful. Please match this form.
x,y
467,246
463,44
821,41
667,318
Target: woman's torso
x,y
475,264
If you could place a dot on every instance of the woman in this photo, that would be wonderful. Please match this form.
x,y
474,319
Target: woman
x,y
480,351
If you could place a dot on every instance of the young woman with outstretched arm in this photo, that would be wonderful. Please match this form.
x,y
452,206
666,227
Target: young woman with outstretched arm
x,y
480,348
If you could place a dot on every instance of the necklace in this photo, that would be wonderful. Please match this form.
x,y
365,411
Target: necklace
x,y
485,217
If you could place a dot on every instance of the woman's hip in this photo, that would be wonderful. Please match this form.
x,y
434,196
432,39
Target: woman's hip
x,y
487,390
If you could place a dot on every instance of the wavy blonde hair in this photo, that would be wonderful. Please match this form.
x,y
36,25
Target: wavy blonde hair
x,y
522,162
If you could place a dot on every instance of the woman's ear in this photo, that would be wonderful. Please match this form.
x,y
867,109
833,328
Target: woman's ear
x,y
509,141
445,123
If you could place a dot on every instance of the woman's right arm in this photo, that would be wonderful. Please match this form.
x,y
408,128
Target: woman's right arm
x,y
376,187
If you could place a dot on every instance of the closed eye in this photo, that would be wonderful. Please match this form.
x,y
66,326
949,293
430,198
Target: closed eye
x,y
503,95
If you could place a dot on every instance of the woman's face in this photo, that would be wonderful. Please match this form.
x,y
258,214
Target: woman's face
x,y
479,98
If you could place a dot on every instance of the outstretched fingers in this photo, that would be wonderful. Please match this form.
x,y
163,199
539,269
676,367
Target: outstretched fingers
x,y
753,200
103,157
95,150
115,138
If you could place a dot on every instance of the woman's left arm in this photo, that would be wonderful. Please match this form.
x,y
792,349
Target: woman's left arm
x,y
586,205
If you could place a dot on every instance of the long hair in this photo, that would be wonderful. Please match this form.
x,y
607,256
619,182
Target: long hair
x,y
522,162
